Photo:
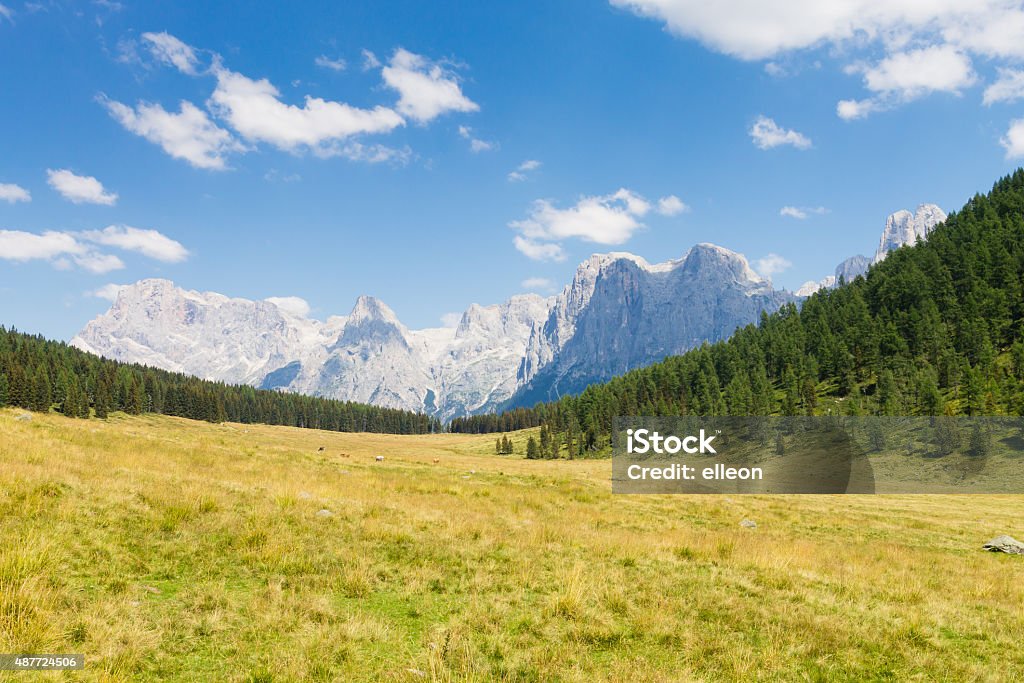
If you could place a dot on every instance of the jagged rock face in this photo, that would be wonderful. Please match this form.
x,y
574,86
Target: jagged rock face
x,y
479,365
638,314
904,228
208,335
618,313
851,268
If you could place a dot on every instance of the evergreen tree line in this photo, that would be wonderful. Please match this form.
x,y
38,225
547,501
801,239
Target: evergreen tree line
x,y
935,329
42,375
508,421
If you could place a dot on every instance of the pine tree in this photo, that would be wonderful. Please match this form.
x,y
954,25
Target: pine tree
x,y
981,439
532,450
42,394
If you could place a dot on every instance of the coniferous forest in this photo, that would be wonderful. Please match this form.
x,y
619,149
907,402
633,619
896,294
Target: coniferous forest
x,y
38,374
935,329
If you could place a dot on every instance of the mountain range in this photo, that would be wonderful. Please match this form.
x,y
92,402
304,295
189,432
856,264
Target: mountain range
x,y
618,313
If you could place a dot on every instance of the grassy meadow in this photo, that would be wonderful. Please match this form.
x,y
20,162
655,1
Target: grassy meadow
x,y
165,549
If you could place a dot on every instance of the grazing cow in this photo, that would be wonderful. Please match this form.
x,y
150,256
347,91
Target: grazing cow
x,y
321,449
344,455
380,458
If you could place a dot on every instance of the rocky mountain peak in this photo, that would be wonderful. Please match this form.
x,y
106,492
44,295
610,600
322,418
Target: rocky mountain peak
x,y
369,308
710,261
903,228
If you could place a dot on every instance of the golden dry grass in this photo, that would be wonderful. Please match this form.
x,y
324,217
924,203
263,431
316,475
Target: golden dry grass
x,y
165,549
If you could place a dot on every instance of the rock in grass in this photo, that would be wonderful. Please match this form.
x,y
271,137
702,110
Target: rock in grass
x,y
1005,544
748,524
324,513
24,417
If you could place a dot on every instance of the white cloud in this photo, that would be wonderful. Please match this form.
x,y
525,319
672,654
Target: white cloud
x,y
7,13
849,110
64,250
16,245
61,249
370,61
763,29
426,89
671,206
253,108
1013,141
605,219
772,264
451,319
98,263
189,135
150,243
371,154
767,134
906,76
926,47
523,170
12,194
333,64
1009,87
539,251
537,283
172,51
802,212
911,74
79,189
476,145
108,291
292,305
256,113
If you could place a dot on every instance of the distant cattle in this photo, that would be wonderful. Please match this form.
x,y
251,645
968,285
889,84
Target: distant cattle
x,y
321,449
437,460
380,458
344,455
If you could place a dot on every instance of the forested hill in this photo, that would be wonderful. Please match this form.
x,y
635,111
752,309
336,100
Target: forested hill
x,y
934,329
38,374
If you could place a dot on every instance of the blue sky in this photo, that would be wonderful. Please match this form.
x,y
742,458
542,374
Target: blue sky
x,y
378,155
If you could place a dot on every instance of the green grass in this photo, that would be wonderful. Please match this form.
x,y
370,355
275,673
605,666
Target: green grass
x,y
165,549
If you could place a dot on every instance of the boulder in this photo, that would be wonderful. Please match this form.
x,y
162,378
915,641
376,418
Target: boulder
x,y
748,524
1005,544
